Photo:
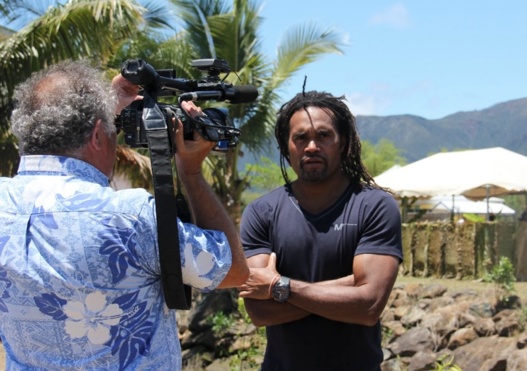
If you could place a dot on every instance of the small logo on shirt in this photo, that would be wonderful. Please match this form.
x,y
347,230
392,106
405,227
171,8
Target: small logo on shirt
x,y
339,227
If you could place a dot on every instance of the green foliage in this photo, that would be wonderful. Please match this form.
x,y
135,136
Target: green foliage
x,y
245,359
245,316
47,32
220,322
516,202
381,156
266,175
243,311
444,364
247,356
475,218
523,318
387,335
503,277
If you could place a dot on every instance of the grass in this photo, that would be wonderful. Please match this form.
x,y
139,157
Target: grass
x,y
520,288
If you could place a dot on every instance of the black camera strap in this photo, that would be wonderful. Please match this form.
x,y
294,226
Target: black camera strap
x,y
177,294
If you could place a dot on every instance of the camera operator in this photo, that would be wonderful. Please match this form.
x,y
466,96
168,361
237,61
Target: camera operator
x,y
80,280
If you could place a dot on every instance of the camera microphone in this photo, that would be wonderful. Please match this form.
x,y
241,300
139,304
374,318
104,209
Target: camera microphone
x,y
235,94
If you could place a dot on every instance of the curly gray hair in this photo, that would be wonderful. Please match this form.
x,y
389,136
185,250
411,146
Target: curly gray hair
x,y
56,109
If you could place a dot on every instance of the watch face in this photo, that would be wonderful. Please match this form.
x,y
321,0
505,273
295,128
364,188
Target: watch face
x,y
280,294
281,290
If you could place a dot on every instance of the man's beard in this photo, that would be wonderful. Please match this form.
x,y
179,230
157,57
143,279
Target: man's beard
x,y
312,175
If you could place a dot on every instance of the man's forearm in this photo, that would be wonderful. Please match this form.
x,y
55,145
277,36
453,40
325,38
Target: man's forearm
x,y
358,299
270,312
336,302
209,213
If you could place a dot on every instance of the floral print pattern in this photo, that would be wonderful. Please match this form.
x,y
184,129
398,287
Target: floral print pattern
x,y
79,271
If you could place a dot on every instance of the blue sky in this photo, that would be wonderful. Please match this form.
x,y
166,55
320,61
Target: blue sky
x,y
422,57
426,58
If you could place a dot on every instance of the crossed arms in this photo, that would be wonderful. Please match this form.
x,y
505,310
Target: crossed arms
x,y
359,298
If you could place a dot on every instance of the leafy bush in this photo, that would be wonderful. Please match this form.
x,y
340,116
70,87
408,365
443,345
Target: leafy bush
x,y
502,275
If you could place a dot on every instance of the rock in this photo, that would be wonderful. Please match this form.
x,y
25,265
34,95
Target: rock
x,y
522,341
452,329
413,317
484,309
424,328
422,361
484,326
472,356
434,290
517,360
441,322
412,341
461,337
507,322
392,365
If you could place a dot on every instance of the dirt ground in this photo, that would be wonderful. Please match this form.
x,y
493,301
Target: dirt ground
x,y
520,288
451,284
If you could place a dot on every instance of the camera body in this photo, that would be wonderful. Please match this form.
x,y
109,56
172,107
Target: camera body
x,y
214,126
131,122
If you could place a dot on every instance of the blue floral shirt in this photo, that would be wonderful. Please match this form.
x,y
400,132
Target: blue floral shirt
x,y
79,271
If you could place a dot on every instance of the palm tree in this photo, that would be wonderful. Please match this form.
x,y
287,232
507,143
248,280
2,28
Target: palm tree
x,y
105,29
76,29
229,30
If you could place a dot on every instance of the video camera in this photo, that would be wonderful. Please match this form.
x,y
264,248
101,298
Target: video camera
x,y
147,123
215,126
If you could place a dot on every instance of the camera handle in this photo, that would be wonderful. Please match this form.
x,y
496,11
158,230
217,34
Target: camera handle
x,y
177,294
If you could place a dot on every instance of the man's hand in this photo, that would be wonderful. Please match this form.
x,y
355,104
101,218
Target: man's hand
x,y
125,91
258,285
190,153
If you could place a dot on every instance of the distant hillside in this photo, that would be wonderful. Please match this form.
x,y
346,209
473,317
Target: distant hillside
x,y
502,125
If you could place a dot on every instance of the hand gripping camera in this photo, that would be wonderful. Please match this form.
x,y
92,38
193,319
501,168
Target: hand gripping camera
x,y
214,126
147,123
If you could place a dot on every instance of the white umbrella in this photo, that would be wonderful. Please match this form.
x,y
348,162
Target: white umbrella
x,y
476,174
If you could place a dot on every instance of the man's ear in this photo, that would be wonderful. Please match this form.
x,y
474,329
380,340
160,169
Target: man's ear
x,y
95,139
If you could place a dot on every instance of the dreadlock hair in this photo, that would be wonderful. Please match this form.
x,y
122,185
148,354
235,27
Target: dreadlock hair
x,y
351,163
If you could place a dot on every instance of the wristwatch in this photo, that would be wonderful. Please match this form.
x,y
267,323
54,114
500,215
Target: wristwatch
x,y
281,289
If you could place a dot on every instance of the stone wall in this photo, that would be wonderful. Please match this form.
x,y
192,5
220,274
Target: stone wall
x,y
521,251
468,250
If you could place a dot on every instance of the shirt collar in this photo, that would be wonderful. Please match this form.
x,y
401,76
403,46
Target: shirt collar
x,y
60,166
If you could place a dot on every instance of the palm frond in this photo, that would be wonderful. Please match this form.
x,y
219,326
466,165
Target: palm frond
x,y
302,45
158,15
77,29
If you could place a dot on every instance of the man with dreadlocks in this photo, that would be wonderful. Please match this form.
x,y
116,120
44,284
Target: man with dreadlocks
x,y
324,249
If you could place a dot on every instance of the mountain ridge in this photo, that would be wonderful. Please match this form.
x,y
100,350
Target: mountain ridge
x,y
501,125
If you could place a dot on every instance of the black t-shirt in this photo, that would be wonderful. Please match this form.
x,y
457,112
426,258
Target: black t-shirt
x,y
315,248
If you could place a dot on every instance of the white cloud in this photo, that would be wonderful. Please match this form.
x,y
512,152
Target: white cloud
x,y
361,104
397,16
